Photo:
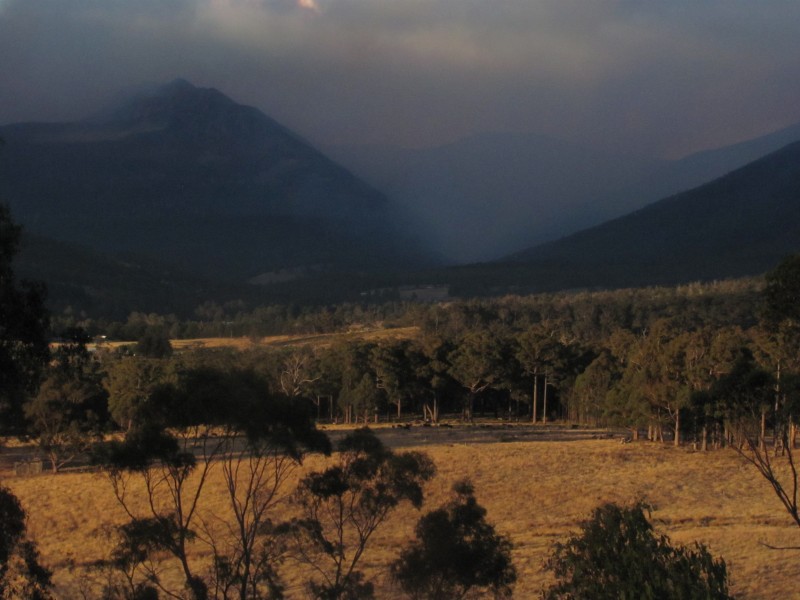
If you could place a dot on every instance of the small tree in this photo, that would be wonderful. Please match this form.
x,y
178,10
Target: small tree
x,y
154,344
209,419
344,505
67,414
457,554
617,555
135,387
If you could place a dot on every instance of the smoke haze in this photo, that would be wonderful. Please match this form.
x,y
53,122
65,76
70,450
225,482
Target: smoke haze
x,y
662,78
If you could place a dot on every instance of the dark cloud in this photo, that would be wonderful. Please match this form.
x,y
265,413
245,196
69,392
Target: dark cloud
x,y
663,77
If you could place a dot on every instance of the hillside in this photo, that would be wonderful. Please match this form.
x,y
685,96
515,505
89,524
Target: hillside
x,y
488,194
190,177
740,224
82,280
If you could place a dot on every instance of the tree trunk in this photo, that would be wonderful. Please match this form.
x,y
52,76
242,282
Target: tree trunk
x,y
677,441
544,403
54,463
535,398
704,442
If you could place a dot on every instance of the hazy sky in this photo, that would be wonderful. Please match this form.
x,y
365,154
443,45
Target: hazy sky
x,y
661,76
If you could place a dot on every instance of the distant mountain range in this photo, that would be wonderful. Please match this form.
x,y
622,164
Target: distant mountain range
x,y
490,194
187,176
178,195
740,224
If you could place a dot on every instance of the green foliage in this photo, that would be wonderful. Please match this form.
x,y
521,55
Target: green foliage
x,y
456,554
618,556
70,410
137,388
743,393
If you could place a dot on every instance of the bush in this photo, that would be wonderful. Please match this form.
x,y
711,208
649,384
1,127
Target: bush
x,y
617,556
456,553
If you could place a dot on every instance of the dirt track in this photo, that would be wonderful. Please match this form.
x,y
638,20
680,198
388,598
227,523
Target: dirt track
x,y
398,436
420,435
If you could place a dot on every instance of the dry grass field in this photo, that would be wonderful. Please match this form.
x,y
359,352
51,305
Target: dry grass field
x,y
535,492
276,341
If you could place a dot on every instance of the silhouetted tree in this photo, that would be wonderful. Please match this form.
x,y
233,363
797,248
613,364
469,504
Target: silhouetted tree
x,y
208,419
154,344
456,554
344,505
23,331
67,414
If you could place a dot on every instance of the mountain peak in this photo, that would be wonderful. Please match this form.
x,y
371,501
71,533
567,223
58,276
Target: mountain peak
x,y
177,102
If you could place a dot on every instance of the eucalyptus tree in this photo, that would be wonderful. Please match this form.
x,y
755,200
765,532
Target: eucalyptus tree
x,y
401,372
70,410
346,372
617,555
592,387
343,506
480,360
456,554
544,354
135,388
434,373
208,419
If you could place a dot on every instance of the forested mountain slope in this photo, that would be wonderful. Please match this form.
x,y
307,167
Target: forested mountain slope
x,y
189,176
740,224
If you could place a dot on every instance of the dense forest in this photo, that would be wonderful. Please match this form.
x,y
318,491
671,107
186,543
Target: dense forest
x,y
635,358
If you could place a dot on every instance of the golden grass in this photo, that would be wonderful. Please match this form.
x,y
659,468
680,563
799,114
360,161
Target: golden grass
x,y
535,492
313,340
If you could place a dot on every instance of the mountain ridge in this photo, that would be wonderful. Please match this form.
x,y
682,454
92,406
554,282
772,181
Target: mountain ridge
x,y
191,160
740,224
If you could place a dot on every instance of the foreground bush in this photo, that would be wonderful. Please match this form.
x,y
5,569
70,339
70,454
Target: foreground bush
x,y
618,556
456,554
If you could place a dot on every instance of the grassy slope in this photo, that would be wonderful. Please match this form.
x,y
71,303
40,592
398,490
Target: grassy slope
x,y
535,492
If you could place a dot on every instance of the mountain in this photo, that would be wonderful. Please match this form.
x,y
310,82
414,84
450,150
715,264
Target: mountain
x,y
190,177
488,194
740,224
696,169
83,281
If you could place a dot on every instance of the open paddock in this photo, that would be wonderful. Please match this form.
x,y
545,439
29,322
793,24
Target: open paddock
x,y
536,490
